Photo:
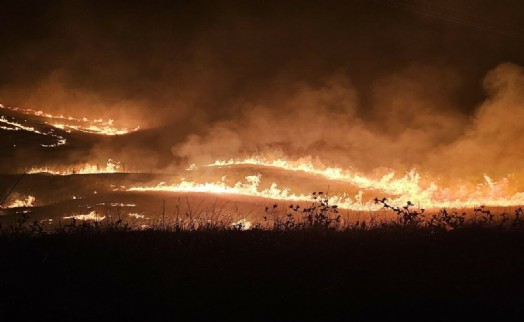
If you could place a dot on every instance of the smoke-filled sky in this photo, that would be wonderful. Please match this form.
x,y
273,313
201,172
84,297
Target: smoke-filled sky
x,y
437,85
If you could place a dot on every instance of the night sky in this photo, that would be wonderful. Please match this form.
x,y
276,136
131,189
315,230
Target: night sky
x,y
428,84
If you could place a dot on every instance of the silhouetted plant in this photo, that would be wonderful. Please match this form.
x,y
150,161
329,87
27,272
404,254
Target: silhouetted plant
x,y
318,215
485,214
406,215
447,220
517,221
22,226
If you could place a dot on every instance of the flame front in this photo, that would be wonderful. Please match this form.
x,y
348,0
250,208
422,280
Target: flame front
x,y
93,215
69,123
111,166
251,188
425,194
421,190
29,201
15,126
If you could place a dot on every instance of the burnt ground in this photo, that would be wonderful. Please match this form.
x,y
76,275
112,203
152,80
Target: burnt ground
x,y
264,275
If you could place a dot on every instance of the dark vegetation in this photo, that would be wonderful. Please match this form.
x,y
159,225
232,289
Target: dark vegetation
x,y
308,263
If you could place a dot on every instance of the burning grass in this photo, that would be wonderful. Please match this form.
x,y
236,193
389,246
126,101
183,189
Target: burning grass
x,y
111,166
66,123
354,188
22,202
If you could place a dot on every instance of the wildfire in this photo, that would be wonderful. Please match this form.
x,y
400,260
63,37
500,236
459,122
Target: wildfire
x,y
105,128
22,202
408,187
69,123
400,189
111,166
242,224
251,188
136,215
422,191
93,215
409,184
15,126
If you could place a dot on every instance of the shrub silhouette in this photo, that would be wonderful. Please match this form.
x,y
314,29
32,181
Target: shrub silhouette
x,y
319,215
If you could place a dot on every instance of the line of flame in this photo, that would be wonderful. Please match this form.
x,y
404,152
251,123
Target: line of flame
x,y
401,190
410,183
17,127
95,126
110,167
22,202
93,215
251,188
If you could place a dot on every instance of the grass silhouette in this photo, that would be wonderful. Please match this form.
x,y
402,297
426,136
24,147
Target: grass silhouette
x,y
307,262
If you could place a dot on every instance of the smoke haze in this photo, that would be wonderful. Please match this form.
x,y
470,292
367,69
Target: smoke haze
x,y
368,84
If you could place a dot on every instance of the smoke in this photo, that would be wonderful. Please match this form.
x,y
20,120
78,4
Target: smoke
x,y
493,141
362,84
410,117
414,125
54,96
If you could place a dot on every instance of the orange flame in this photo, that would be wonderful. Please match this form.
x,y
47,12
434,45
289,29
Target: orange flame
x,y
22,202
69,123
408,187
251,188
110,167
93,215
15,126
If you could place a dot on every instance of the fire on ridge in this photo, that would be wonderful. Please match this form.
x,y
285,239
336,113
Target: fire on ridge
x,y
111,166
412,186
67,123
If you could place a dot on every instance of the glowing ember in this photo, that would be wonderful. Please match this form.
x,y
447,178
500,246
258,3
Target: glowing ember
x,y
93,215
111,166
117,204
242,224
22,202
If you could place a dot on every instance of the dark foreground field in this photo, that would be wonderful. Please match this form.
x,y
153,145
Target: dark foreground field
x,y
265,275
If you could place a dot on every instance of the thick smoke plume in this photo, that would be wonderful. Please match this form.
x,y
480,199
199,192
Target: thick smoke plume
x,y
493,141
414,125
